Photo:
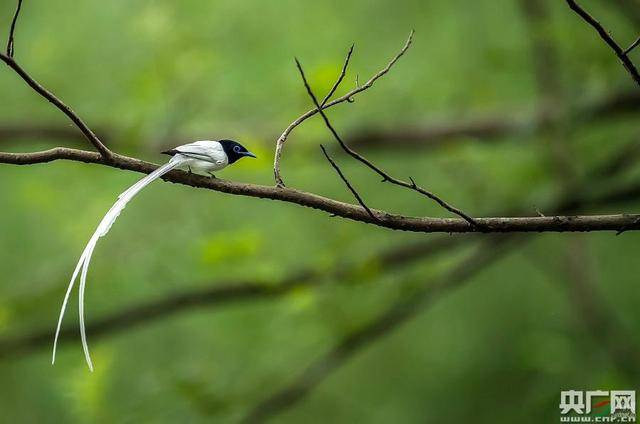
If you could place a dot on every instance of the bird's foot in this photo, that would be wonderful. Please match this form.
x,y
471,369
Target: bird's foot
x,y
211,175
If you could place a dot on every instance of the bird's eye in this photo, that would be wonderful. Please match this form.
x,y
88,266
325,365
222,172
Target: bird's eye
x,y
236,149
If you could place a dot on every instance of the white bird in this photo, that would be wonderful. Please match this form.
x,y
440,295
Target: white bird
x,y
202,157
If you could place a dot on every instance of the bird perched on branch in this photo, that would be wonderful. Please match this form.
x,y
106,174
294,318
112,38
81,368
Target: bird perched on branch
x,y
201,157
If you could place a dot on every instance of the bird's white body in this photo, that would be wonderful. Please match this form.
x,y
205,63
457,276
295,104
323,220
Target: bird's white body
x,y
202,157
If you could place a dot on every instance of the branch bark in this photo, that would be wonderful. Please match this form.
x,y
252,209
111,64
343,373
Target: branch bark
x,y
49,96
614,222
223,293
607,38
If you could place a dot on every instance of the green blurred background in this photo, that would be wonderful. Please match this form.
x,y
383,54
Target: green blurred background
x,y
548,315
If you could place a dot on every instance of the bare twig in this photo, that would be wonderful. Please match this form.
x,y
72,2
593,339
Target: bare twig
x,y
346,182
606,37
346,98
385,176
8,59
343,72
632,46
13,29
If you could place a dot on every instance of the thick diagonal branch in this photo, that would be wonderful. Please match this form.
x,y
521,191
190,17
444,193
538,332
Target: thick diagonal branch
x,y
607,38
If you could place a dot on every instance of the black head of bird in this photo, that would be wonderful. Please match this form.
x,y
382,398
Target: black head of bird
x,y
235,150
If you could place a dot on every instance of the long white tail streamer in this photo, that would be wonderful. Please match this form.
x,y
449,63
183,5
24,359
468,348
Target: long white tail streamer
x,y
102,229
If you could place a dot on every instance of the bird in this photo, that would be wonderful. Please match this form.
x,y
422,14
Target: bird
x,y
200,157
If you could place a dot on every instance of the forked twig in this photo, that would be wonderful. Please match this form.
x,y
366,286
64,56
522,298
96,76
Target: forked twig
x,y
632,46
385,176
345,98
340,77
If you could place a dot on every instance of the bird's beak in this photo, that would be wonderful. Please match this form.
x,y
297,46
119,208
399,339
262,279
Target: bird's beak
x,y
250,155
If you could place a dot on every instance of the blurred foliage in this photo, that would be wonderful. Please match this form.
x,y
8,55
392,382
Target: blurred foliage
x,y
500,350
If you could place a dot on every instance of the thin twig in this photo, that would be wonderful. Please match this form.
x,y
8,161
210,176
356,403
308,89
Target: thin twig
x,y
343,72
13,30
385,176
632,46
347,183
38,88
346,98
604,34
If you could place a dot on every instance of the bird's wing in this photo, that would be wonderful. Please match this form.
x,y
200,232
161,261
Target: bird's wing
x,y
210,151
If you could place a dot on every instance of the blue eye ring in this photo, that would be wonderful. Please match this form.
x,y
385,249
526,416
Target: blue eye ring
x,y
236,149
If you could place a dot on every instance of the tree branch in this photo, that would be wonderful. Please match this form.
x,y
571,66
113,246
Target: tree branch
x,y
384,219
385,176
346,98
405,309
8,59
223,293
340,77
632,46
607,38
347,183
13,29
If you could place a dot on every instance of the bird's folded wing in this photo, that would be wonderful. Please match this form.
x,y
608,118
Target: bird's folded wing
x,y
209,151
